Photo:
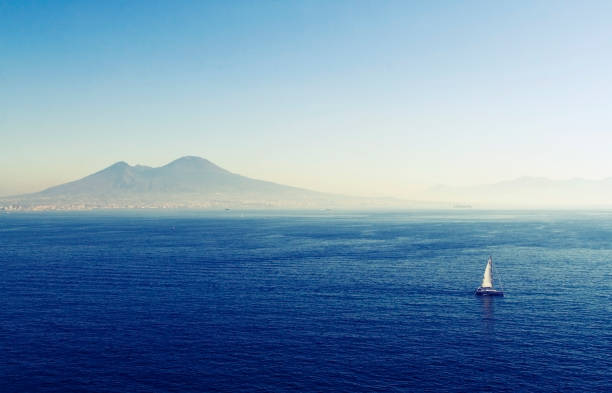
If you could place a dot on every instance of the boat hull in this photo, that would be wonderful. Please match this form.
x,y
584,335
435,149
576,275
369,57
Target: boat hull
x,y
488,292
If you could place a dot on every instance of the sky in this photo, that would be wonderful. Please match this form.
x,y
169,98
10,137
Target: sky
x,y
356,97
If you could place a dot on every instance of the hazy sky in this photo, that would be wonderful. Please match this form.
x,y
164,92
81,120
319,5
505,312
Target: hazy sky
x,y
366,98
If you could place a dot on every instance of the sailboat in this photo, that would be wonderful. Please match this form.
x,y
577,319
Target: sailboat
x,y
486,288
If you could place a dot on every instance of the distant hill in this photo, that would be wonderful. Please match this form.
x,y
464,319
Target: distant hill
x,y
187,175
530,192
194,182
188,182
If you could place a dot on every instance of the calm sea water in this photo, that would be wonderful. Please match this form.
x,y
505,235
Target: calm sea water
x,y
278,302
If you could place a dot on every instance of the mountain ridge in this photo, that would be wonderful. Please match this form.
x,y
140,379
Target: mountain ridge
x,y
531,191
187,182
195,182
189,174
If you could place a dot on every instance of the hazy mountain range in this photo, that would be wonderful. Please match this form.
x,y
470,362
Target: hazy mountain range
x,y
194,182
534,192
188,182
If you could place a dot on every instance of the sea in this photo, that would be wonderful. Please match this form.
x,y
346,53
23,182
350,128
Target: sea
x,y
305,301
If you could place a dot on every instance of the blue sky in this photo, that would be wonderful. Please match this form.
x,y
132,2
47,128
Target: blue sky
x,y
366,98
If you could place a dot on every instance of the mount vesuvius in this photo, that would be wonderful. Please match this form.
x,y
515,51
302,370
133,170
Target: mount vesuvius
x,y
188,182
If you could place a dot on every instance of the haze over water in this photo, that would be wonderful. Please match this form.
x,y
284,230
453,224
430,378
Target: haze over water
x,y
352,97
290,301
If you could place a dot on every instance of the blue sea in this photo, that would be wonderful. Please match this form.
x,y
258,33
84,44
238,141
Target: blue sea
x,y
305,302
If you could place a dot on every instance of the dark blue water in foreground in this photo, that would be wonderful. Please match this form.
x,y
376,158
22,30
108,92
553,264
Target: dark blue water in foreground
x,y
246,302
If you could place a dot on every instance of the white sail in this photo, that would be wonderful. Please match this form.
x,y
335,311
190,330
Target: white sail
x,y
487,279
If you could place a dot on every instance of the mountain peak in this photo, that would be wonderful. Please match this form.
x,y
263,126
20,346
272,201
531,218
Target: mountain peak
x,y
120,164
117,168
190,159
195,163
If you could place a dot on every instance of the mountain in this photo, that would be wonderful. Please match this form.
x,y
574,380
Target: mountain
x,y
530,192
194,182
185,175
188,182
